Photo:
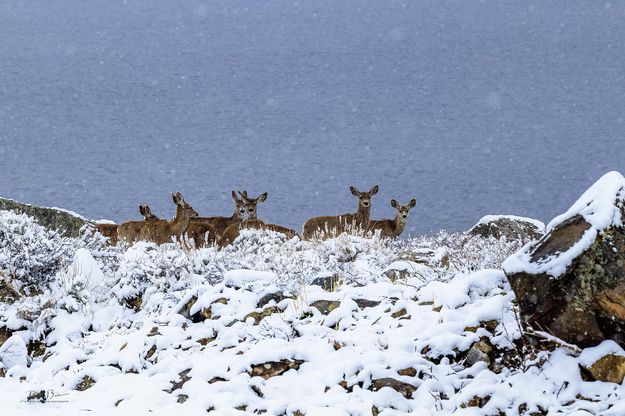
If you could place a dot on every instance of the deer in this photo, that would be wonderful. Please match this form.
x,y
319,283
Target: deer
x,y
110,230
335,225
164,231
233,230
206,230
392,228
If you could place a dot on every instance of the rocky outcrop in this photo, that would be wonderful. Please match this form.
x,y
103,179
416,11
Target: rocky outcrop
x,y
571,282
67,223
509,226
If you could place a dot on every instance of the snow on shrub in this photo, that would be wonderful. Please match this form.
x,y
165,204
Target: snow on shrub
x,y
31,255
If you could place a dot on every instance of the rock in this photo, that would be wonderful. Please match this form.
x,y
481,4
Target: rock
x,y
199,316
36,348
408,372
276,297
365,303
399,313
399,386
85,383
490,326
134,303
5,334
571,282
477,401
184,377
7,293
325,306
480,351
14,352
259,316
67,223
274,368
509,226
610,368
329,283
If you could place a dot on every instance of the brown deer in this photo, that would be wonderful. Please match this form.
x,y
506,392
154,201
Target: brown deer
x,y
205,230
392,228
233,230
335,225
110,231
164,231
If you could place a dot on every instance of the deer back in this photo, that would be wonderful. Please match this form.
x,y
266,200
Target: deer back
x,y
109,231
385,227
202,233
130,231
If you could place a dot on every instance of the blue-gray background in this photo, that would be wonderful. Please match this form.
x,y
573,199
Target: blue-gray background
x,y
470,107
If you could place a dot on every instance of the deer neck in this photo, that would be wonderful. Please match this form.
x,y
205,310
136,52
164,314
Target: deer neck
x,y
180,221
399,225
235,215
363,214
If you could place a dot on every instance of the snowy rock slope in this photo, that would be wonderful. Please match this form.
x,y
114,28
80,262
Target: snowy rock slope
x,y
162,330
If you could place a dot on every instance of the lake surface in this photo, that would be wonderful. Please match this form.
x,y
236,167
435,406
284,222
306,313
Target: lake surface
x,y
471,108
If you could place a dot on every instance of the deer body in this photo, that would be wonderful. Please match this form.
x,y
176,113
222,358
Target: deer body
x,y
129,231
109,231
392,228
206,230
162,231
334,225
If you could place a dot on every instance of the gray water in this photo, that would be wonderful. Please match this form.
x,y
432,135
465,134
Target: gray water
x,y
471,108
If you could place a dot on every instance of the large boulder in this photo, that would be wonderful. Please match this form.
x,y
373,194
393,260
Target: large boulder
x,y
66,222
571,282
509,226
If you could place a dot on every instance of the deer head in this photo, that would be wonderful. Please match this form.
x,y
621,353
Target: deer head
x,y
147,212
364,198
184,209
239,206
250,203
402,210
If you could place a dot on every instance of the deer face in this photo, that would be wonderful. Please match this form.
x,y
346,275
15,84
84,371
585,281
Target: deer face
x,y
251,203
402,210
183,205
239,206
364,198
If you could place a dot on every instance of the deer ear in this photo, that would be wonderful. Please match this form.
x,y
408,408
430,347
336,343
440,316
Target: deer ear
x,y
412,203
374,190
394,204
147,211
354,191
243,195
178,199
262,197
234,196
142,210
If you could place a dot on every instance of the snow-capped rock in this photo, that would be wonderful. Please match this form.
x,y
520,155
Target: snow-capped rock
x,y
571,282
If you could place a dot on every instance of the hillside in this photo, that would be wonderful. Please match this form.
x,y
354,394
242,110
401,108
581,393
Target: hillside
x,y
348,326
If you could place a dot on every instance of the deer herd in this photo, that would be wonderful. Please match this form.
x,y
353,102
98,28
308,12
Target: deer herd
x,y
189,228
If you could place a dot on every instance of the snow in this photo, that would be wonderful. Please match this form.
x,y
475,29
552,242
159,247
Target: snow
x,y
13,353
428,316
600,206
591,355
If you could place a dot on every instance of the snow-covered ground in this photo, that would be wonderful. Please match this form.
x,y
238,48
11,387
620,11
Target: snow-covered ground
x,y
251,330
